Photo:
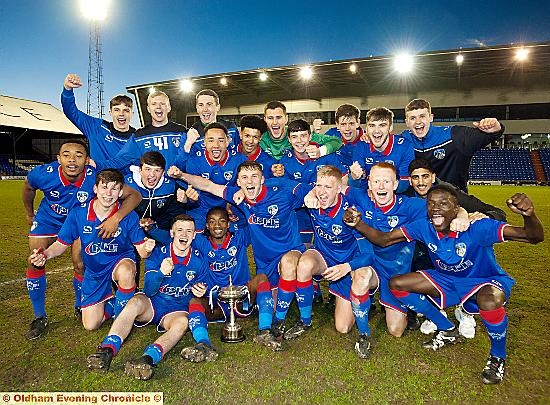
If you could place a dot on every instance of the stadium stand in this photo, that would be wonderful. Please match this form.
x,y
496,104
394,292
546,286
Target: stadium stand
x,y
508,165
545,158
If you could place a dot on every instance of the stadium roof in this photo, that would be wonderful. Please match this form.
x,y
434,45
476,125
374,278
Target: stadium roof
x,y
27,114
482,67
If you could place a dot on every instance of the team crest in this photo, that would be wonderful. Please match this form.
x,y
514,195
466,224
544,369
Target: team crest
x,y
273,210
228,175
190,275
118,232
336,229
176,142
393,220
439,154
232,251
161,202
82,196
391,162
460,249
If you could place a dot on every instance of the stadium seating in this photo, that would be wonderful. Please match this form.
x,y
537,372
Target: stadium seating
x,y
545,158
508,165
22,166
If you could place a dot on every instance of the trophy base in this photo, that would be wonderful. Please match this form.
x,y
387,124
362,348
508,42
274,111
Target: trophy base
x,y
232,335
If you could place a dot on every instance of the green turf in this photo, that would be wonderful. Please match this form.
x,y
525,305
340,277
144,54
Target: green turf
x,y
318,368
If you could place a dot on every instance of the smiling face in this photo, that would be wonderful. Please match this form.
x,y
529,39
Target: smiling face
x,y
382,183
421,180
276,120
379,133
73,160
327,189
299,141
418,121
150,175
182,233
207,108
159,108
250,180
121,115
250,139
216,143
108,193
217,223
442,209
348,128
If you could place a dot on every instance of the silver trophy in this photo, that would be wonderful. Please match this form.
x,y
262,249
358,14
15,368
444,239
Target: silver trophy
x,y
232,332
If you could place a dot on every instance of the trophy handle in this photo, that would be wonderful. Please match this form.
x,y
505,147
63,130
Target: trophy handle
x,y
213,296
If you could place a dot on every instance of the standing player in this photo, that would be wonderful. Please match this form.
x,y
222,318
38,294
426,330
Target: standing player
x,y
173,273
348,128
271,219
275,140
465,267
162,198
218,164
383,147
228,262
105,138
252,128
105,260
207,103
65,184
449,149
300,167
162,135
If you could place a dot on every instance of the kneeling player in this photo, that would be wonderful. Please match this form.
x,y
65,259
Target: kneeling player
x,y
228,262
465,267
105,260
173,272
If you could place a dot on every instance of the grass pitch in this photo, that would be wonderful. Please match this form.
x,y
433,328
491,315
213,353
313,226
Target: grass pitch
x,y
318,368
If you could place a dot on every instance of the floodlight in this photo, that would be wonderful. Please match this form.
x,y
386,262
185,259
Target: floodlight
x,y
459,59
522,54
186,85
223,81
403,63
263,76
306,72
95,10
151,90
353,68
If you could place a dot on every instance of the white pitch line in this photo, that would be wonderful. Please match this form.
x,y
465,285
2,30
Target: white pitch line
x,y
22,279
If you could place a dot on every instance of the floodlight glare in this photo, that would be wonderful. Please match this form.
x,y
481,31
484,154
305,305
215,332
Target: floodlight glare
x,y
353,68
186,85
95,10
151,90
306,73
403,63
522,54
263,76
459,59
223,81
